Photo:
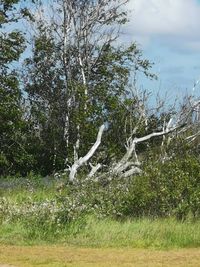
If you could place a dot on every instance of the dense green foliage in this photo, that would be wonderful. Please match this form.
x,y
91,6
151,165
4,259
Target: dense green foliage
x,y
51,107
37,210
53,100
71,82
12,44
164,190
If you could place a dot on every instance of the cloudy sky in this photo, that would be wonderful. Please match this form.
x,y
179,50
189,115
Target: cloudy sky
x,y
168,32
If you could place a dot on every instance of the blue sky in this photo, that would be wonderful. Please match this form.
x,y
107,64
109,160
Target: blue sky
x,y
168,32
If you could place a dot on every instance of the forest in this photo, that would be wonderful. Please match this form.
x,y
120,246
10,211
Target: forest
x,y
78,136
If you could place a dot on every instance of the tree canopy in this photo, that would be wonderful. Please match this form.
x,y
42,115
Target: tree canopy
x,y
76,78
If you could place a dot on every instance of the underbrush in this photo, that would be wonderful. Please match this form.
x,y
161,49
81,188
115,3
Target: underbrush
x,y
159,209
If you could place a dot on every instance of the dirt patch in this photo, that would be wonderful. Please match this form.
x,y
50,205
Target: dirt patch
x,y
56,256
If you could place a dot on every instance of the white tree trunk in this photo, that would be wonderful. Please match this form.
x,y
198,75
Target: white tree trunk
x,y
121,168
79,162
94,169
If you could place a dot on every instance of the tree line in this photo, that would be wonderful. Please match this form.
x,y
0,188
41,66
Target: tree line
x,y
67,104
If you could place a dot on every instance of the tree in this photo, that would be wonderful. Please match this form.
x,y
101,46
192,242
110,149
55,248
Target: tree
x,y
79,111
12,44
78,75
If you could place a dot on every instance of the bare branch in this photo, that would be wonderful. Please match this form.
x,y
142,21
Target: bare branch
x,y
94,169
79,162
132,171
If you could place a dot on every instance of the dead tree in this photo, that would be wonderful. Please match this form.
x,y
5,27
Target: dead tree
x,y
83,160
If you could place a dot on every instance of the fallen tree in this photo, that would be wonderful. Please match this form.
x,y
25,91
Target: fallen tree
x,y
83,160
183,123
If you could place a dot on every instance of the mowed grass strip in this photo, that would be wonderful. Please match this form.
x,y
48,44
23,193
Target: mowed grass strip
x,y
60,256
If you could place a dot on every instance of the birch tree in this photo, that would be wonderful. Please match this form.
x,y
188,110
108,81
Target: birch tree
x,y
78,73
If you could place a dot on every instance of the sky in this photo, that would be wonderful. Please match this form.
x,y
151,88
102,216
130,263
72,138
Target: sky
x,y
168,32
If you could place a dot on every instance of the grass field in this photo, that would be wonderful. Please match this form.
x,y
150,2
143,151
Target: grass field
x,y
107,233
32,239
60,256
19,226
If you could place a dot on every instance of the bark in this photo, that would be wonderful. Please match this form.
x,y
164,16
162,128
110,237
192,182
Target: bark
x,y
83,160
121,168
132,171
94,169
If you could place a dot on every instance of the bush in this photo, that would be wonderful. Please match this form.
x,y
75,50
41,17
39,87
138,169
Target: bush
x,y
165,189
170,189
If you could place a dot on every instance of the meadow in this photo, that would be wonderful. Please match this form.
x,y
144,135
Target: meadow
x,y
40,227
31,213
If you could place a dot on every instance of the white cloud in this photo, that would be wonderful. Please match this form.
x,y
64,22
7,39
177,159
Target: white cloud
x,y
175,20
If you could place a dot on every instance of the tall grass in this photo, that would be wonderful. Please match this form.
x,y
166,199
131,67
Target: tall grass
x,y
92,232
20,189
36,200
143,233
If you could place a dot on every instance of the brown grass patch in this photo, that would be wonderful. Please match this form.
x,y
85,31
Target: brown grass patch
x,y
56,256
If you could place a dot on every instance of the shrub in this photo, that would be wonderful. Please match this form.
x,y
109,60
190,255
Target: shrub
x,y
169,189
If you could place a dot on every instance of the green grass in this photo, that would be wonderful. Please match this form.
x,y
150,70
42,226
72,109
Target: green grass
x,y
20,189
90,232
166,233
